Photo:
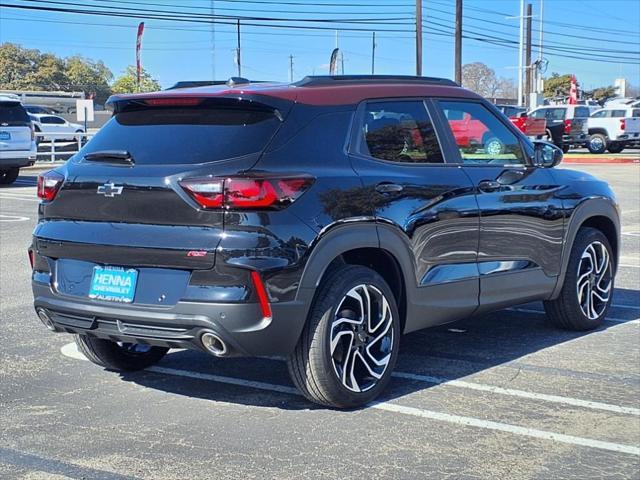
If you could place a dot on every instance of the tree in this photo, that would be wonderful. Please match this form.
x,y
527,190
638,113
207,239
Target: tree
x,y
26,69
17,64
601,93
88,76
128,82
481,79
557,85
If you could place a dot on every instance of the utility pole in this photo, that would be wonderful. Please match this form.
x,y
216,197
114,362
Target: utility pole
x,y
213,40
520,53
528,66
291,68
539,88
373,54
419,38
238,52
458,47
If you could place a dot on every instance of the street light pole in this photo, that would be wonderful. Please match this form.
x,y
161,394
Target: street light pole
x,y
458,45
419,38
520,53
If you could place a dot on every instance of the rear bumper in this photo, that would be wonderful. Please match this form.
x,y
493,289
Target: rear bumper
x,y
627,137
18,158
239,325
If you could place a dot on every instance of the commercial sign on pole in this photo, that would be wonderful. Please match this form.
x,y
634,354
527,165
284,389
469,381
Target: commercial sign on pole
x,y
138,46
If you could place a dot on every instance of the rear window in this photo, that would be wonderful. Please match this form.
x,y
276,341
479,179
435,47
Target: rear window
x,y
163,135
635,112
13,114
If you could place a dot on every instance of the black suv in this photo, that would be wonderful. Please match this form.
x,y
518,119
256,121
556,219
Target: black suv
x,y
318,221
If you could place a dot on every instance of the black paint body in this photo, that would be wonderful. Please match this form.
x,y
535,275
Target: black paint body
x,y
454,249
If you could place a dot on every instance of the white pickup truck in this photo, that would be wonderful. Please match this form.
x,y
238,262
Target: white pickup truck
x,y
614,128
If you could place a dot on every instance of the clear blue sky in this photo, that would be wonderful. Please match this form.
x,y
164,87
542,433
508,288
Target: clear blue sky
x,y
175,51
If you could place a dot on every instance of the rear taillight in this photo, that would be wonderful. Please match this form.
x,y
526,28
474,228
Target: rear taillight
x,y
567,127
33,132
623,124
48,185
241,193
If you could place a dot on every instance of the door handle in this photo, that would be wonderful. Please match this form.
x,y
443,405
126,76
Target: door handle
x,y
389,188
489,185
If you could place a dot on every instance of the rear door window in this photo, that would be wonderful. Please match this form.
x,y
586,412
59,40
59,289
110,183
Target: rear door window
x,y
399,132
13,114
618,113
170,135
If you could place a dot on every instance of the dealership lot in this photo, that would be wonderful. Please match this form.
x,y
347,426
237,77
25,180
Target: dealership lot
x,y
502,395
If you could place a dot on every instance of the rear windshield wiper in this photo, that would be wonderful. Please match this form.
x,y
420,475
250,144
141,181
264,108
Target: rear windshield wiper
x,y
110,156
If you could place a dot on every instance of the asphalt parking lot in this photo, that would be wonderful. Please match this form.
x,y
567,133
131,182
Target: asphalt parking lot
x,y
499,396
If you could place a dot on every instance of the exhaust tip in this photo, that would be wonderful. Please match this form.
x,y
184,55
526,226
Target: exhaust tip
x,y
45,318
214,344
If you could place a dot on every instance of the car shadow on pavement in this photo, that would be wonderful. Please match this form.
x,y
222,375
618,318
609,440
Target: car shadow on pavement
x,y
22,181
449,351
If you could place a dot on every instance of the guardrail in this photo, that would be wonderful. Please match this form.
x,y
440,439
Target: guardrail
x,y
59,146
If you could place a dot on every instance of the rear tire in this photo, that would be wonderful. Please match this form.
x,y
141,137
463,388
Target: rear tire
x,y
119,357
597,143
349,346
616,147
565,148
586,295
7,177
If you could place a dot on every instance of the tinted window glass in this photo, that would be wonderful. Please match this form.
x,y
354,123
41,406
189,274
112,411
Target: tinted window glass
x,y
400,132
46,120
187,135
56,120
12,113
635,113
555,113
480,136
600,114
581,112
618,113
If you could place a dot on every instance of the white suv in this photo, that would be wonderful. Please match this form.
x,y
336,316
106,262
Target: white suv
x,y
17,143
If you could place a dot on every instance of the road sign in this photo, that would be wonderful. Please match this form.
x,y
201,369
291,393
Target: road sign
x,y
84,110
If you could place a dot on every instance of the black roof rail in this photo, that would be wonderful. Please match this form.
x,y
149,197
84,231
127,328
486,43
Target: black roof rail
x,y
317,80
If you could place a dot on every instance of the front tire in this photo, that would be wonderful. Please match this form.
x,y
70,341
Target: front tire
x,y
349,346
119,356
586,295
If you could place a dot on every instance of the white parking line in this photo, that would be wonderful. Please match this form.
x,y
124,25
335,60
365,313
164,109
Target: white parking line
x,y
13,218
505,427
519,393
635,321
13,196
71,351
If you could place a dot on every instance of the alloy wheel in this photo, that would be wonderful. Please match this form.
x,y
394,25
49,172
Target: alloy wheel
x,y
595,279
361,338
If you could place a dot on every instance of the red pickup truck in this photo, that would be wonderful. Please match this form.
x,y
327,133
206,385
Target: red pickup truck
x,y
529,126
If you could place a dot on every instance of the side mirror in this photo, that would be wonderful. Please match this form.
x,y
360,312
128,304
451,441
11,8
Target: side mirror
x,y
523,115
546,155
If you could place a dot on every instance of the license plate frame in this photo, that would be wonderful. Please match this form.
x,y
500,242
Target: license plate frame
x,y
113,284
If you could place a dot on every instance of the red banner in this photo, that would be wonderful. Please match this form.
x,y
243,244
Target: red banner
x,y
138,46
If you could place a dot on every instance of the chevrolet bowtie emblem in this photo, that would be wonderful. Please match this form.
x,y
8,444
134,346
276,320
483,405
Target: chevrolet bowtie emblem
x,y
109,190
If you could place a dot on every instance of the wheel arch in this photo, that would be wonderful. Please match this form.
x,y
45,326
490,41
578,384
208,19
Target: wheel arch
x,y
601,131
367,244
599,213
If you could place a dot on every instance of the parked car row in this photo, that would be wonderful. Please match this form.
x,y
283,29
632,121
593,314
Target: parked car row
x,y
613,128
